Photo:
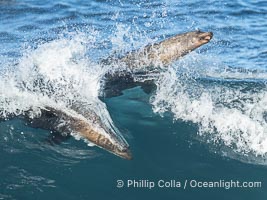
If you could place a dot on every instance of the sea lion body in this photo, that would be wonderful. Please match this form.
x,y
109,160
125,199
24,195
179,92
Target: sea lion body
x,y
145,60
90,128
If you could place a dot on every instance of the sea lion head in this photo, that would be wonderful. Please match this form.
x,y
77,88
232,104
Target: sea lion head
x,y
100,130
183,44
177,46
103,137
198,38
124,153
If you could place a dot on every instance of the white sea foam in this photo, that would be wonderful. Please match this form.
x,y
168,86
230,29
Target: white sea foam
x,y
232,114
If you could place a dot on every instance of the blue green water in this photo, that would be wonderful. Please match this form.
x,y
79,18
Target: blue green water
x,y
206,121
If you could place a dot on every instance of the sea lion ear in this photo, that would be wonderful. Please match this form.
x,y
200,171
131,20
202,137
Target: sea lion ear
x,y
198,31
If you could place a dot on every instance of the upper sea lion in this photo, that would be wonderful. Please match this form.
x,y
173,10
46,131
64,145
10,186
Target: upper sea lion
x,y
142,62
166,51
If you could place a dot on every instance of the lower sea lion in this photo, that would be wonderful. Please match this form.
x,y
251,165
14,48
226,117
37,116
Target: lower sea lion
x,y
91,128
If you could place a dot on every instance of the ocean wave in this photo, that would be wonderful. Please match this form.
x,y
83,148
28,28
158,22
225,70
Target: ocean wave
x,y
60,73
225,111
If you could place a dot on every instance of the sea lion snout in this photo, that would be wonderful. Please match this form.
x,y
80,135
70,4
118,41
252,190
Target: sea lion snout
x,y
126,154
204,37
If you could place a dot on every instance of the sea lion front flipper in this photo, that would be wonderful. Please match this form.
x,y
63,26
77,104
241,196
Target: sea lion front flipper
x,y
50,121
115,83
148,86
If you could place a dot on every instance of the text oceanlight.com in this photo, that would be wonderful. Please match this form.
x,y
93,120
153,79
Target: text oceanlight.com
x,y
224,184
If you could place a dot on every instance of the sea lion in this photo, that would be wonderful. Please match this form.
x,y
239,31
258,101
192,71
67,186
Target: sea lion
x,y
164,52
142,62
83,120
90,127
